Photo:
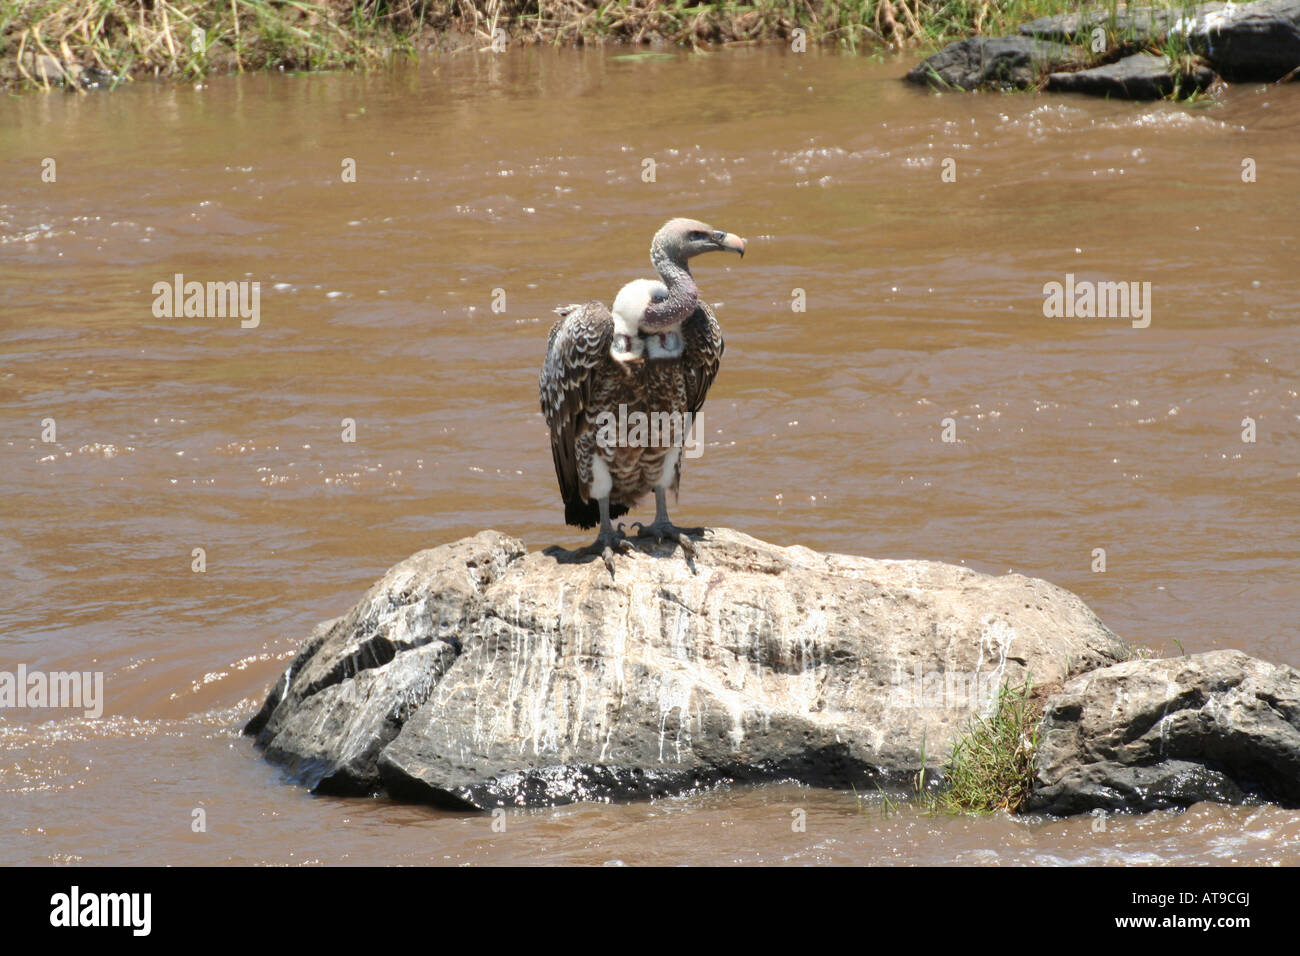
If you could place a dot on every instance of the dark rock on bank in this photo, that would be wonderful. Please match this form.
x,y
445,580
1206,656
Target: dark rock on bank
x,y
995,62
1139,26
1159,734
1250,42
477,674
1242,42
1142,76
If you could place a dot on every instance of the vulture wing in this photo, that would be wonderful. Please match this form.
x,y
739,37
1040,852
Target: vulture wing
x,y
578,345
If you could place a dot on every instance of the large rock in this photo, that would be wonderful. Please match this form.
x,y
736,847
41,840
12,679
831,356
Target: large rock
x,y
995,63
1158,734
1142,76
476,674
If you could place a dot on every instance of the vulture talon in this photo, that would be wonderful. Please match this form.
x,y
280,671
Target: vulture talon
x,y
665,529
607,544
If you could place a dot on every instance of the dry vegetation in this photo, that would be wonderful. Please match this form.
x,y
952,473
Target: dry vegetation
x,y
43,42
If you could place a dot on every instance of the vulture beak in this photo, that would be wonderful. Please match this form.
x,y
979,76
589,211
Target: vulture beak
x,y
732,243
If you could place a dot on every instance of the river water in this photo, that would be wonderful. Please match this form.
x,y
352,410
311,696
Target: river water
x,y
517,181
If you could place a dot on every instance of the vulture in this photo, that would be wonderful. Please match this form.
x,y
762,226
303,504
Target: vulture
x,y
619,390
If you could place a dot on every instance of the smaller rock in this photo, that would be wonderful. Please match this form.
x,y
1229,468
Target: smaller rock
x,y
1142,76
995,63
1115,788
1158,734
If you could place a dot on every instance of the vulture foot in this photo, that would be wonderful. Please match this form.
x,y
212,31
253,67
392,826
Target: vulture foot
x,y
660,530
606,545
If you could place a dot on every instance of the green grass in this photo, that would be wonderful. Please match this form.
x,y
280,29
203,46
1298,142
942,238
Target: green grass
x,y
991,767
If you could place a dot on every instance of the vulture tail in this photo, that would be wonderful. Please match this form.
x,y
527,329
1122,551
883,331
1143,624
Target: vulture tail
x,y
586,514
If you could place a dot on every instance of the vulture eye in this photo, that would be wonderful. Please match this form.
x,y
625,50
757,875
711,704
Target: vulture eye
x,y
697,236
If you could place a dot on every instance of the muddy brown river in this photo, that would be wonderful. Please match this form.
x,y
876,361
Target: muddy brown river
x,y
415,302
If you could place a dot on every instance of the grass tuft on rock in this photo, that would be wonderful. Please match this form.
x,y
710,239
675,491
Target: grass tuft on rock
x,y
992,766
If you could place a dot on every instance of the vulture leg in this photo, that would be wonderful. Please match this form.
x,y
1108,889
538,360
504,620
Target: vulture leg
x,y
608,541
664,528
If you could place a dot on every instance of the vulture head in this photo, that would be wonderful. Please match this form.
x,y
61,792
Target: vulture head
x,y
678,241
682,239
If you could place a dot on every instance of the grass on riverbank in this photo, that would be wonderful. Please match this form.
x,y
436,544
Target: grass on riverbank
x,y
122,38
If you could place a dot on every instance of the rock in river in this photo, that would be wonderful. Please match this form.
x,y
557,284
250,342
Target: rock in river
x,y
1158,734
477,674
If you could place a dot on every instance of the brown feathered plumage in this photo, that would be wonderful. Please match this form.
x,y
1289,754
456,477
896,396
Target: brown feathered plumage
x,y
580,380
648,365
